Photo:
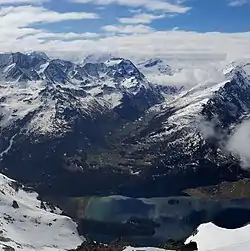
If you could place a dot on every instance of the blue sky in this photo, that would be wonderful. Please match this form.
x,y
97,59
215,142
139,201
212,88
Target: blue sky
x,y
126,26
203,16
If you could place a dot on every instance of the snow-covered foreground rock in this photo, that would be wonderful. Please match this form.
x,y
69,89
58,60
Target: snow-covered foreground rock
x,y
28,224
213,238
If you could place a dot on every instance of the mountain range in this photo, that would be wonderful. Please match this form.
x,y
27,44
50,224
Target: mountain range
x,y
103,128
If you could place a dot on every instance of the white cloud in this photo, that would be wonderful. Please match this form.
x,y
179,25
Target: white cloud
x,y
239,143
129,29
22,1
237,3
175,46
17,21
142,18
67,36
21,16
190,76
153,5
209,129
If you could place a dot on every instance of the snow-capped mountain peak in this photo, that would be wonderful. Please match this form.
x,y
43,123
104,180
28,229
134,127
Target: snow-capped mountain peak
x,y
39,54
155,66
152,62
120,68
236,68
96,58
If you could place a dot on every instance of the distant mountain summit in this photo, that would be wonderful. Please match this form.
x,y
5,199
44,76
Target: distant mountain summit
x,y
97,58
156,66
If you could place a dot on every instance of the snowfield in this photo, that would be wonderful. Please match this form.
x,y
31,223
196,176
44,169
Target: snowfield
x,y
213,238
28,224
